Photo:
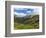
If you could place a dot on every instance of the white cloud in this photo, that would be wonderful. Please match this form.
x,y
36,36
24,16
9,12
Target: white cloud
x,y
35,12
20,14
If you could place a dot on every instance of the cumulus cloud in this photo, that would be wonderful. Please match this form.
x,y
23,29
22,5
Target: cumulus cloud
x,y
20,14
23,13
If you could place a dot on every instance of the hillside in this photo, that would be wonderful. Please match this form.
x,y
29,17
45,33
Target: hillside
x,y
29,22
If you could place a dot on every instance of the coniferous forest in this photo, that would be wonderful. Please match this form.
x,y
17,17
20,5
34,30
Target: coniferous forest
x,y
27,22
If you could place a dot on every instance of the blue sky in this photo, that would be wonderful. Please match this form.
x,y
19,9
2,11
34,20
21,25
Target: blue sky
x,y
21,12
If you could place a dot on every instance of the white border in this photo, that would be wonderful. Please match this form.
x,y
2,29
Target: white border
x,y
28,30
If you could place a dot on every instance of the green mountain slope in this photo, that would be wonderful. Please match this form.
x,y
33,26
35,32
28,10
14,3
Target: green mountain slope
x,y
27,22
